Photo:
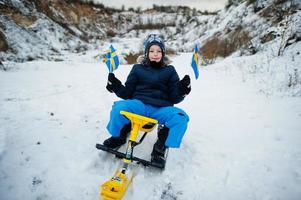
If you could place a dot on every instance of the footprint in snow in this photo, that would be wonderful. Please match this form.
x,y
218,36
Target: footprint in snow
x,y
168,193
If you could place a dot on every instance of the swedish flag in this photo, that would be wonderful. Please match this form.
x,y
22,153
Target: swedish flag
x,y
111,59
195,61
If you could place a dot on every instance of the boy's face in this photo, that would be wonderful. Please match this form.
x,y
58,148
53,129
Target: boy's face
x,y
155,53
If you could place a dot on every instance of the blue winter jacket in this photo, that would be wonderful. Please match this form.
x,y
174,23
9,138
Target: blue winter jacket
x,y
155,86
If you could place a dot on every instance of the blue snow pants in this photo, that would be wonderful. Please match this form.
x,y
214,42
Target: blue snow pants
x,y
172,117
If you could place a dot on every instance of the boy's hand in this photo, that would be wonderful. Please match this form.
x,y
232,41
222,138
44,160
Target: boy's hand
x,y
113,83
184,86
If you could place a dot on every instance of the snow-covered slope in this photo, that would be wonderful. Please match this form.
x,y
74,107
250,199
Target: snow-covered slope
x,y
240,144
243,140
32,35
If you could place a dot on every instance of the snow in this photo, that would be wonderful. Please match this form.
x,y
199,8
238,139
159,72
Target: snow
x,y
241,143
243,139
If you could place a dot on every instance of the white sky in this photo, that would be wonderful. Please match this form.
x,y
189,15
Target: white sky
x,y
209,5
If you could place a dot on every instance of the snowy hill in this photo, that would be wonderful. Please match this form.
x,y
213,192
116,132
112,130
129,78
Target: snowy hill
x,y
268,29
72,25
243,139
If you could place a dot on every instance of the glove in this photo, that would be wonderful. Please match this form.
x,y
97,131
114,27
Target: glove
x,y
113,83
184,86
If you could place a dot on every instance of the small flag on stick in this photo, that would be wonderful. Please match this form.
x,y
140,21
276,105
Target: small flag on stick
x,y
195,61
111,59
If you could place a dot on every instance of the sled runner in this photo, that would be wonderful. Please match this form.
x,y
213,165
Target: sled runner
x,y
115,188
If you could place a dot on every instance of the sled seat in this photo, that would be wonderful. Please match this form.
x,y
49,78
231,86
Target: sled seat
x,y
139,123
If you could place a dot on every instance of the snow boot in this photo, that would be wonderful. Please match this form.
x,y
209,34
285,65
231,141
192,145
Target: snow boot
x,y
158,155
116,142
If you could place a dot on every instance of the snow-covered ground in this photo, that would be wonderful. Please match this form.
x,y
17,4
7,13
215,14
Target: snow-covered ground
x,y
240,143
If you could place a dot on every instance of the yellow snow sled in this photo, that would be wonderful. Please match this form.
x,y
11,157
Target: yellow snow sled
x,y
115,188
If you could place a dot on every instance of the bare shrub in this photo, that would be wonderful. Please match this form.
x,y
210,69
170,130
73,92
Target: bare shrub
x,y
223,47
268,37
237,39
132,57
3,43
294,79
277,11
251,2
233,2
170,51
111,33
17,16
151,26
2,67
209,51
